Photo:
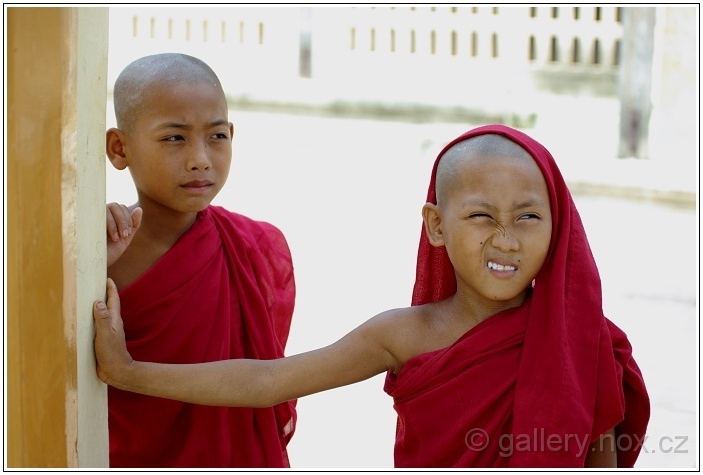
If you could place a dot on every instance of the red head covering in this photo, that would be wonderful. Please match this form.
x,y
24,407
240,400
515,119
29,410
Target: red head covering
x,y
576,373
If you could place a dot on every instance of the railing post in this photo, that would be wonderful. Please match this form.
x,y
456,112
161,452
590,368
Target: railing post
x,y
57,63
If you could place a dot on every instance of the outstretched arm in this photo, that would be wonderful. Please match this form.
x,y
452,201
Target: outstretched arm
x,y
361,354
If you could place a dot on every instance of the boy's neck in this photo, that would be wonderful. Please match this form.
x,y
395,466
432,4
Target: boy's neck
x,y
163,226
477,311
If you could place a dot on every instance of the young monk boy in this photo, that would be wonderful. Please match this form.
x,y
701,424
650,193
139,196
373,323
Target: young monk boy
x,y
504,358
197,283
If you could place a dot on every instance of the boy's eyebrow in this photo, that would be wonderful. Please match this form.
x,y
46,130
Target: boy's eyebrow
x,y
521,205
180,125
528,204
219,122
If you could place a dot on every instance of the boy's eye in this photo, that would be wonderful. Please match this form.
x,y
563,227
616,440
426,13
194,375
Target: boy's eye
x,y
221,135
173,138
480,215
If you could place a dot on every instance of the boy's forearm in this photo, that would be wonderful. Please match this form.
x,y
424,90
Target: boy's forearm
x,y
240,383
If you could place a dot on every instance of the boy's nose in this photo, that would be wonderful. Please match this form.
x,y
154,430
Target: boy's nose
x,y
504,240
199,158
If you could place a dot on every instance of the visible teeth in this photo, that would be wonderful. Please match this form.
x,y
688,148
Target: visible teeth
x,y
494,266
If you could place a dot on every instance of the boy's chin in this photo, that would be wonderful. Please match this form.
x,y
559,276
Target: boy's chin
x,y
198,209
193,207
199,204
511,298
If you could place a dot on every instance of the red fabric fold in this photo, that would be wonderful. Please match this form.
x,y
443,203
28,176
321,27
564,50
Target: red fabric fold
x,y
574,377
447,416
225,290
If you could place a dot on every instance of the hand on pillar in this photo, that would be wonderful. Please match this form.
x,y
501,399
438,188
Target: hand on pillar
x,y
121,227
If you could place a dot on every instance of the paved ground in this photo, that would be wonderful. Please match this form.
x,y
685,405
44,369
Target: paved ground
x,y
348,194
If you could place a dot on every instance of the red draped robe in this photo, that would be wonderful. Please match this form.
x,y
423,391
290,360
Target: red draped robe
x,y
532,386
225,290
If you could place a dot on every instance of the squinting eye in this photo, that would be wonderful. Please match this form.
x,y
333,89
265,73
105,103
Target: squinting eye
x,y
529,216
221,136
173,138
480,215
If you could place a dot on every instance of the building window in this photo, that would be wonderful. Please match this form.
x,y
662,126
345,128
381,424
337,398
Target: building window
x,y
596,52
554,49
576,51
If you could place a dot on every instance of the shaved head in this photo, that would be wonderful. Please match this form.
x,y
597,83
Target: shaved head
x,y
490,146
160,70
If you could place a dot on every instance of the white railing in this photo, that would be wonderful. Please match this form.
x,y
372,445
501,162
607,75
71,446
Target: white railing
x,y
246,47
535,36
430,55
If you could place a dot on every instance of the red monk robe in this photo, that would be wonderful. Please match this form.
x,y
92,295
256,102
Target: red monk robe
x,y
531,386
225,290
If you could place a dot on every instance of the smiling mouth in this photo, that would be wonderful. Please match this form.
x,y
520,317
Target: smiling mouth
x,y
499,267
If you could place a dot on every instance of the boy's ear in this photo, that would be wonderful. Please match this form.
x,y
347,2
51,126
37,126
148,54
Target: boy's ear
x,y
432,220
115,141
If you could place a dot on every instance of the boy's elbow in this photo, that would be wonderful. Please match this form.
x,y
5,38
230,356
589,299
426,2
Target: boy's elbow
x,y
266,391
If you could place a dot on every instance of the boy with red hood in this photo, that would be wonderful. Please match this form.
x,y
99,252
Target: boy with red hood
x,y
504,358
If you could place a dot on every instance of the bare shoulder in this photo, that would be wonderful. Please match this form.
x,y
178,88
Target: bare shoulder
x,y
406,332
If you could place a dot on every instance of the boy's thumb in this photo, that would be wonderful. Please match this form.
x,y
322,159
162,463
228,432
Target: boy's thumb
x,y
100,311
137,218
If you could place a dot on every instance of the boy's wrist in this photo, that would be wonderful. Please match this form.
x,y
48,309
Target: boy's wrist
x,y
125,377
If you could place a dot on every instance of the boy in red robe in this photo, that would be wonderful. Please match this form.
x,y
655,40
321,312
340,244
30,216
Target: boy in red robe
x,y
197,283
505,358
